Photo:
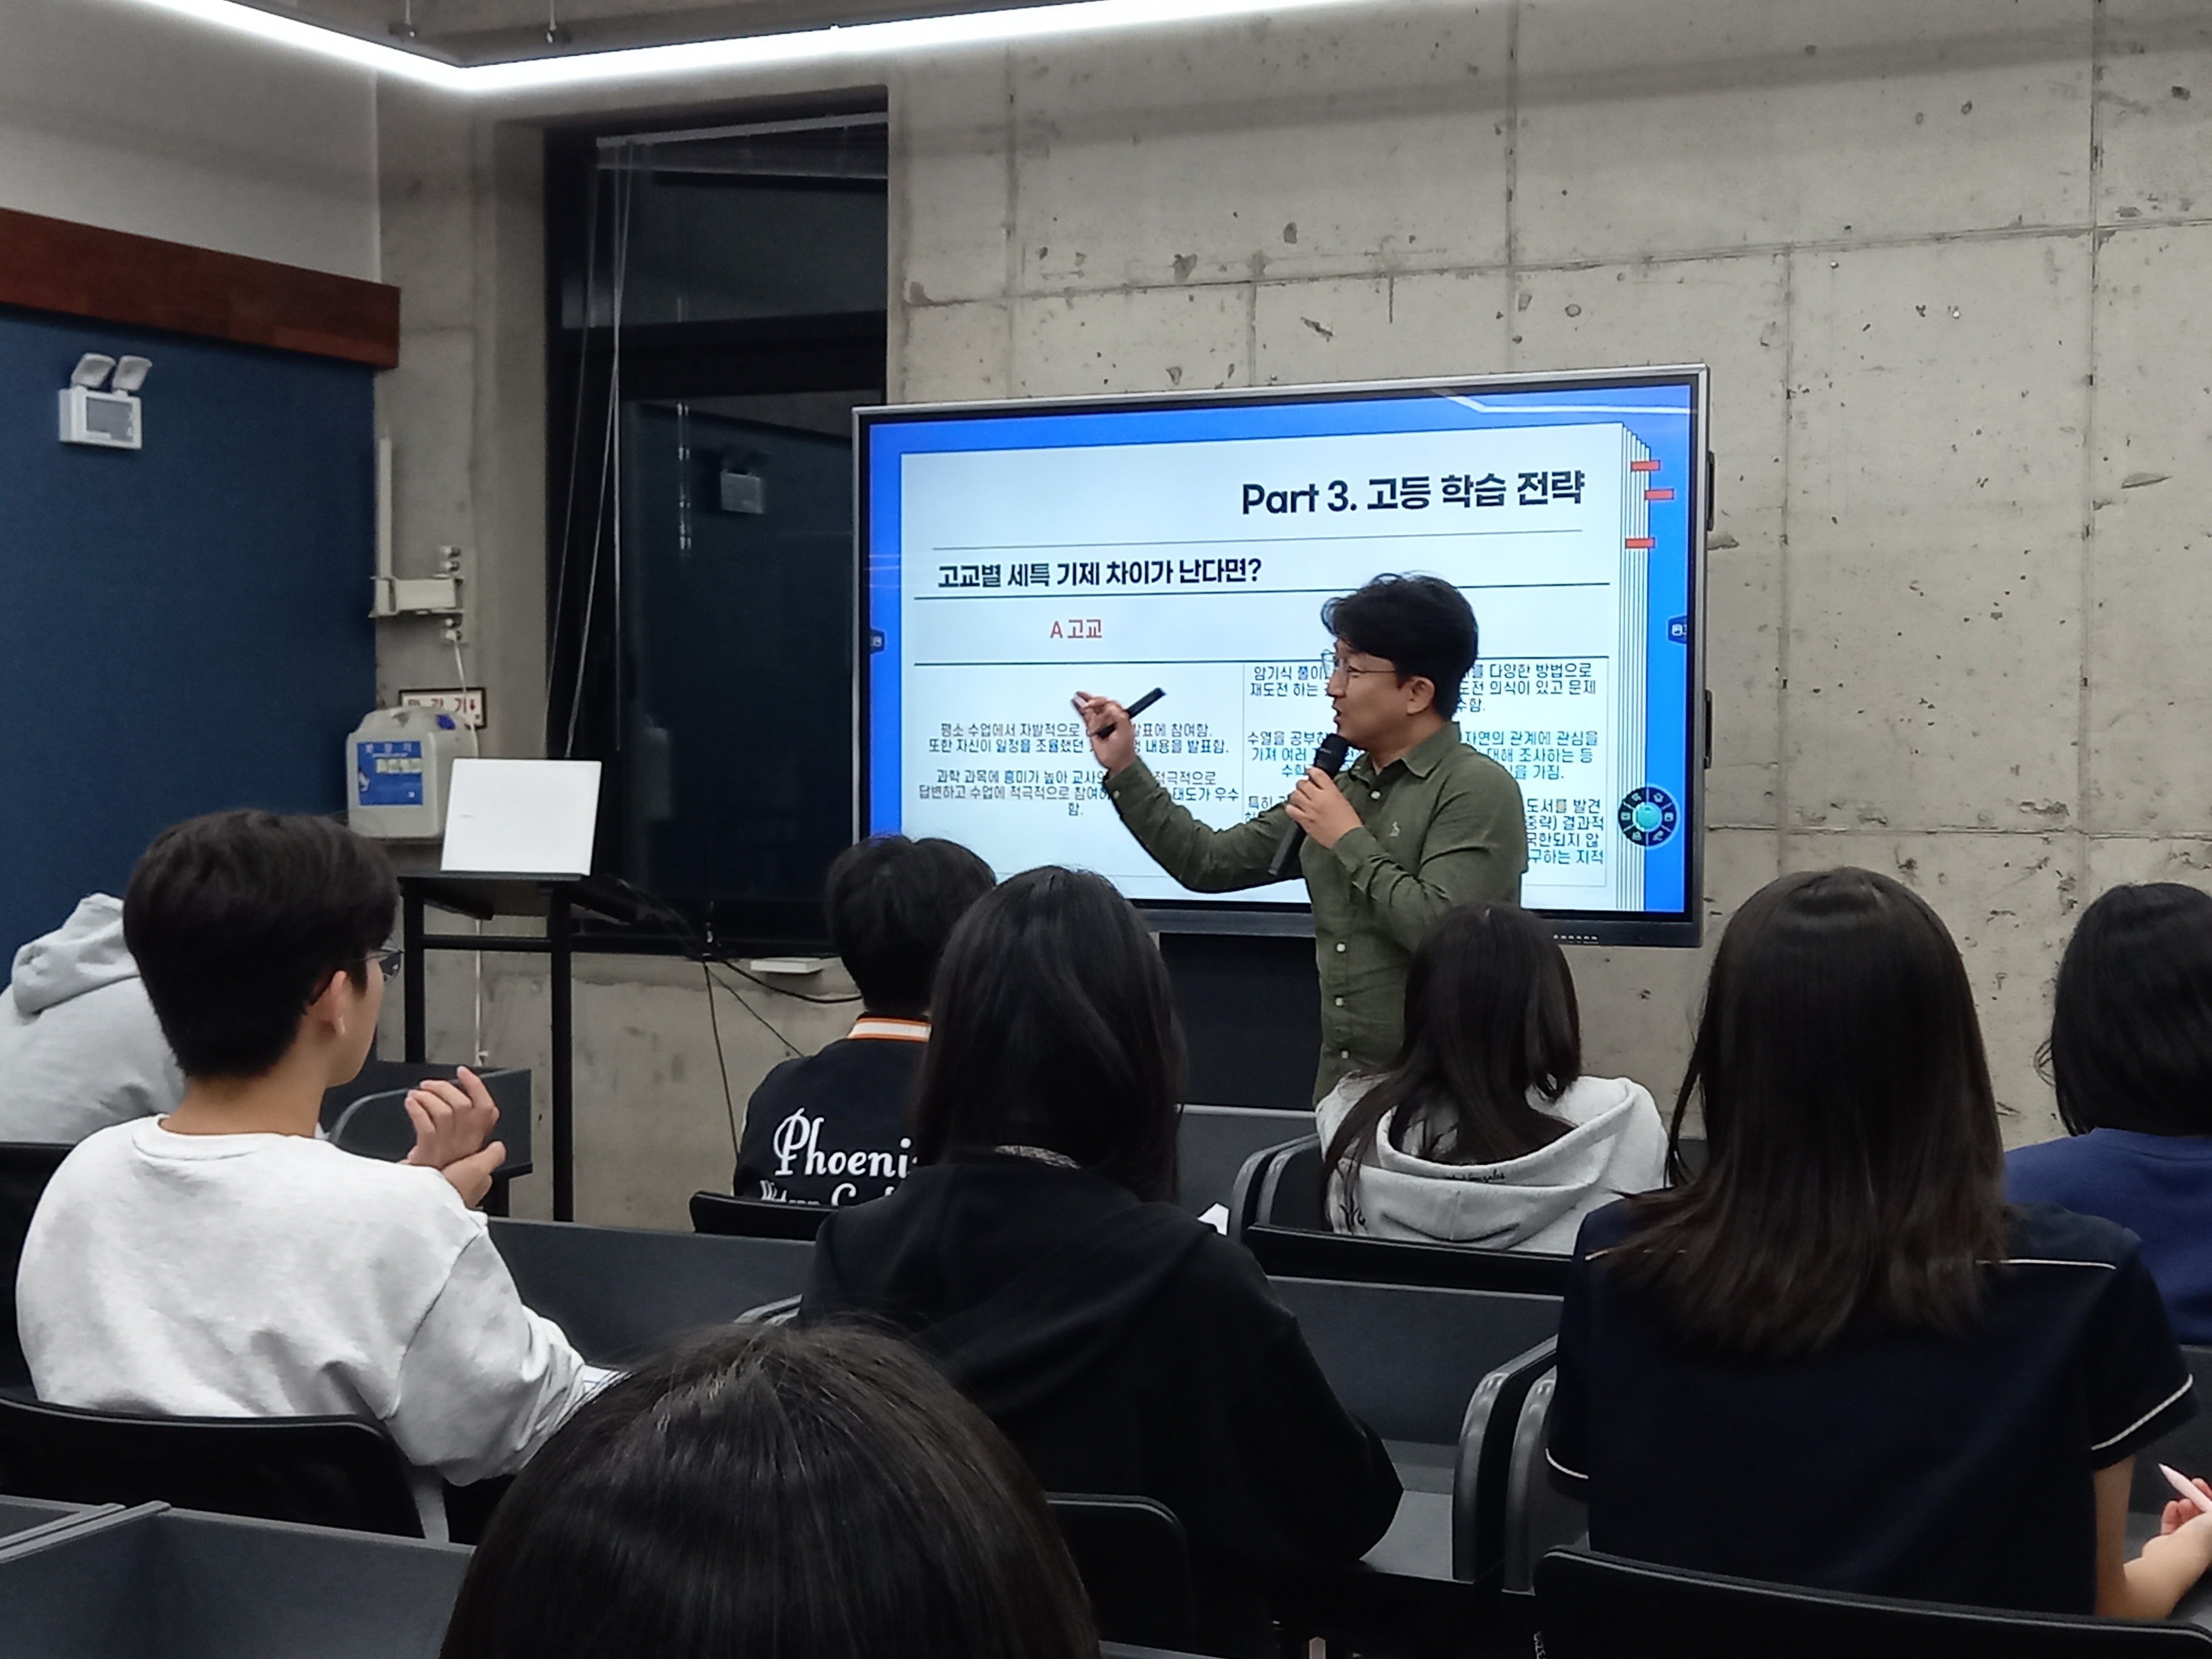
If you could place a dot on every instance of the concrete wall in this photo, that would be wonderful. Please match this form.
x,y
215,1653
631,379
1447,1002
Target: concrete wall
x,y
1948,265
131,119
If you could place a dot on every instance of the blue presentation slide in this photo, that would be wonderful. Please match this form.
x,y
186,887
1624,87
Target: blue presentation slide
x,y
1016,554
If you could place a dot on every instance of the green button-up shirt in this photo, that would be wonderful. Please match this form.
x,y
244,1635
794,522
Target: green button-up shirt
x,y
1439,826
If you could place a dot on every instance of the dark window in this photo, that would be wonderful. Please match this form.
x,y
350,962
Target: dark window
x,y
716,301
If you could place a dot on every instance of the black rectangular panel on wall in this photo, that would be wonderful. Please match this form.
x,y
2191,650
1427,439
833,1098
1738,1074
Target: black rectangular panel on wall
x,y
1251,1014
185,627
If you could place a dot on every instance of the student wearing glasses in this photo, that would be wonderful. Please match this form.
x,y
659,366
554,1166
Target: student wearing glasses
x,y
222,1262
1422,821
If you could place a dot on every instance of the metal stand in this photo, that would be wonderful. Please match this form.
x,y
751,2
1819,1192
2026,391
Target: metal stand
x,y
554,901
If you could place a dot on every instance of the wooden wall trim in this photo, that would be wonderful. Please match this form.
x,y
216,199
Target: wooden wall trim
x,y
112,277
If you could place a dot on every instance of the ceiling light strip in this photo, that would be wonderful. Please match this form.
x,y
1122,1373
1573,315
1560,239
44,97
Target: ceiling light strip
x,y
892,39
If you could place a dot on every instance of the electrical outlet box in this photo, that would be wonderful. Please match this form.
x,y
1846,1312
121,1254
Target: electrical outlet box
x,y
416,596
465,705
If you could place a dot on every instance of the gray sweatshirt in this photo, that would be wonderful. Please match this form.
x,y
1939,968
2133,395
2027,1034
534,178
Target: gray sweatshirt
x,y
80,1048
1536,1202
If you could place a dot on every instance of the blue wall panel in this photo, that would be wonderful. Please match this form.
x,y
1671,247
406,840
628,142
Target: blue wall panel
x,y
184,628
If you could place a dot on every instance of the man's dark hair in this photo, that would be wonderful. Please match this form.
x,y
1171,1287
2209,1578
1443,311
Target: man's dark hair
x,y
891,904
1422,626
1055,1027
1854,1167
1491,1021
237,922
2131,1027
785,1491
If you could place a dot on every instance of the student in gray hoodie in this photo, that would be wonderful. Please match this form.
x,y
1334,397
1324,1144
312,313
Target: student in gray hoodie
x,y
1483,1130
80,1048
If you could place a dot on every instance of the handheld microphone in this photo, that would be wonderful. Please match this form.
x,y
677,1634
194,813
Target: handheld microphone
x,y
1329,758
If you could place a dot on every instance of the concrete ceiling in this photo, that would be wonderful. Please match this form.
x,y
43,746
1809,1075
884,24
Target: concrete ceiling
x,y
497,31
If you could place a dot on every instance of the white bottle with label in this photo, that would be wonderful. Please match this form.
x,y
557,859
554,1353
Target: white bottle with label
x,y
398,764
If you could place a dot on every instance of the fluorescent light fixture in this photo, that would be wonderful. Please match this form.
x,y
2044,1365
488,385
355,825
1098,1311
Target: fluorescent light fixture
x,y
757,51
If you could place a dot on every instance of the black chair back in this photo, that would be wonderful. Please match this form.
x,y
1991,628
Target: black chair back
x,y
1213,1142
26,1166
1538,1518
1296,1253
1406,1359
621,1292
1251,1180
368,1116
324,1471
755,1217
1597,1607
1135,1563
1290,1190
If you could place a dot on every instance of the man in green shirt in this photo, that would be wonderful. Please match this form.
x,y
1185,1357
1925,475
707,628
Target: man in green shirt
x,y
1419,823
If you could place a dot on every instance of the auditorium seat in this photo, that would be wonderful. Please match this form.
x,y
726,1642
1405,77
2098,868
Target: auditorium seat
x,y
1597,1607
729,1217
1306,1255
1135,1564
323,1471
159,1583
621,1292
26,1166
25,1520
1440,1374
1213,1142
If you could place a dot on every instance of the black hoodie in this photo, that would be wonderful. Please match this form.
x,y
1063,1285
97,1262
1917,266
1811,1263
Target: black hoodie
x,y
1125,1348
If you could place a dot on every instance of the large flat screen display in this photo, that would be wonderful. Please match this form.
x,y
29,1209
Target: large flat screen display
x,y
1012,554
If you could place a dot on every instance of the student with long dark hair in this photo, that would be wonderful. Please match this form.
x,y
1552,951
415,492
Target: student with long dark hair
x,y
1484,1130
781,1493
2130,1056
1123,1345
1834,1357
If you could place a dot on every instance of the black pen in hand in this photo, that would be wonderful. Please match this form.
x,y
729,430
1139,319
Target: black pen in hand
x,y
1135,709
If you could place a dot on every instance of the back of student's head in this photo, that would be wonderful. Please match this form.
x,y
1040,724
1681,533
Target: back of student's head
x,y
2131,1029
891,904
1054,1027
237,922
1491,1020
1421,625
784,1492
1854,1165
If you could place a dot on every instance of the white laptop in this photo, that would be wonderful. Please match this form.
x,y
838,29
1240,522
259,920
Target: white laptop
x,y
533,818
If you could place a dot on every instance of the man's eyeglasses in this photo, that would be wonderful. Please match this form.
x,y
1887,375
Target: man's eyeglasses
x,y
389,961
1333,666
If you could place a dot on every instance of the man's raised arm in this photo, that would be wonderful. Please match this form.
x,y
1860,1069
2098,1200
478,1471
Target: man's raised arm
x,y
1203,859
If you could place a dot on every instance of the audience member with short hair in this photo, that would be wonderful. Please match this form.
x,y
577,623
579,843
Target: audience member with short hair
x,y
2130,1056
837,1126
1121,1344
781,1493
222,1262
1835,1357
80,1048
1484,1129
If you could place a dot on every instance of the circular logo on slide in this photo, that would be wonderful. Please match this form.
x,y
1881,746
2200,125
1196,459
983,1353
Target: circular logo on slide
x,y
1648,815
